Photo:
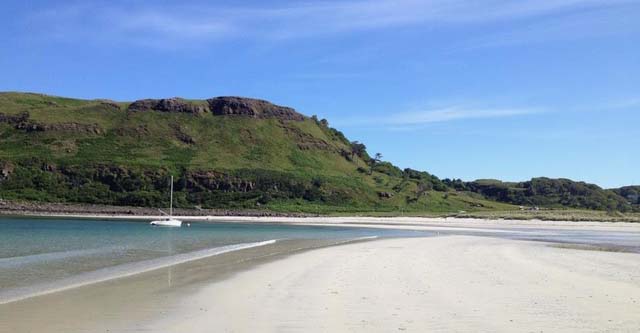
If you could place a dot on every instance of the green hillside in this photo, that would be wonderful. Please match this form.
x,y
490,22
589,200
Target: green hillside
x,y
553,193
224,153
229,152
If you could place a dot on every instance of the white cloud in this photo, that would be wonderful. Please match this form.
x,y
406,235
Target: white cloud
x,y
412,120
420,117
205,23
454,113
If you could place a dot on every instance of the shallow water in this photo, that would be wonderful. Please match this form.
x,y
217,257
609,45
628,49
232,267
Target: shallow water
x,y
606,240
45,254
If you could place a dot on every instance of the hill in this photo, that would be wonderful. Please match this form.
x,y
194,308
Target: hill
x,y
230,152
630,193
553,193
225,152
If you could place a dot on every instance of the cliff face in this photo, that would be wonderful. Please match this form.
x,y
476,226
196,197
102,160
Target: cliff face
x,y
219,106
249,107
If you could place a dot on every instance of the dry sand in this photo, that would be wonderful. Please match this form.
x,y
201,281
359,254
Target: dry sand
x,y
454,283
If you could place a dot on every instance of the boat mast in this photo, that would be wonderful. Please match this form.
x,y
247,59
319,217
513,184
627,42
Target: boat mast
x,y
171,196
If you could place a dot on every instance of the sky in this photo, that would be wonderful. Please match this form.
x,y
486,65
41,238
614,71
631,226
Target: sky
x,y
497,89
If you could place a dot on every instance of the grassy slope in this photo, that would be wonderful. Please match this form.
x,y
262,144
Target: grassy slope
x,y
144,140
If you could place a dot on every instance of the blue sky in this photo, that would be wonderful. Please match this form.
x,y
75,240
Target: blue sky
x,y
465,89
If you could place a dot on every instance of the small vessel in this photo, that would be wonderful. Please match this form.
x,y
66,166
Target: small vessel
x,y
168,221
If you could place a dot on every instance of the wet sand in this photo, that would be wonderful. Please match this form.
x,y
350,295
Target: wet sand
x,y
129,303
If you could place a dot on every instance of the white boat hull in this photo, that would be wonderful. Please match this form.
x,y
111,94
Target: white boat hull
x,y
167,223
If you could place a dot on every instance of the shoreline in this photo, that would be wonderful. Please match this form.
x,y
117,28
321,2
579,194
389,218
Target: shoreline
x,y
398,222
158,288
36,209
126,270
16,208
134,268
165,297
459,283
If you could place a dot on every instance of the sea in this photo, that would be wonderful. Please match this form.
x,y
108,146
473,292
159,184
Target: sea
x,y
42,255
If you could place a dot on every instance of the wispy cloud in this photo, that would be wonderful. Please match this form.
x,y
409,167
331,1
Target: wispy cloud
x,y
418,118
412,120
176,22
455,113
629,103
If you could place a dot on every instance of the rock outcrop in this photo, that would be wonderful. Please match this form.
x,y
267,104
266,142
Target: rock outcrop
x,y
109,104
6,169
14,119
180,134
249,107
31,126
219,106
138,132
216,181
22,122
385,195
177,105
304,140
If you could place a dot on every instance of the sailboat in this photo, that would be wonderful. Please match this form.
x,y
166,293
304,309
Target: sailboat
x,y
168,221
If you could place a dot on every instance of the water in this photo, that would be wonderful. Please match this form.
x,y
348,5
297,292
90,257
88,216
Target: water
x,y
37,255
42,255
622,241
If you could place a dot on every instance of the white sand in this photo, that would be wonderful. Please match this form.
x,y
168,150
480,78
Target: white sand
x,y
410,222
455,283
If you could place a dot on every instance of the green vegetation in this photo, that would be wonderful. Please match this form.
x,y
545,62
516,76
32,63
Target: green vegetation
x,y
553,193
57,149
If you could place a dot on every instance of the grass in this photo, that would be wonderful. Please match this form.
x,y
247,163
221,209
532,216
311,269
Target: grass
x,y
144,142
313,179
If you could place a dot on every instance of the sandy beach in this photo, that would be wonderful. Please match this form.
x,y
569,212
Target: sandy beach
x,y
453,283
448,283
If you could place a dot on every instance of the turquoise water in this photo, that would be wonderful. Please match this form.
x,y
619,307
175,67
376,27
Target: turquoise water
x,y
41,254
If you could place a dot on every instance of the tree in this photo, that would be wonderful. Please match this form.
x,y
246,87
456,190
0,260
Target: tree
x,y
375,160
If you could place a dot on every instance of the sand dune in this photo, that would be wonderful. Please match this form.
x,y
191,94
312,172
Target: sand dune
x,y
455,283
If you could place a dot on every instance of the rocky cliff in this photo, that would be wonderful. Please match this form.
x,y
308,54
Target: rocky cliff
x,y
219,106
